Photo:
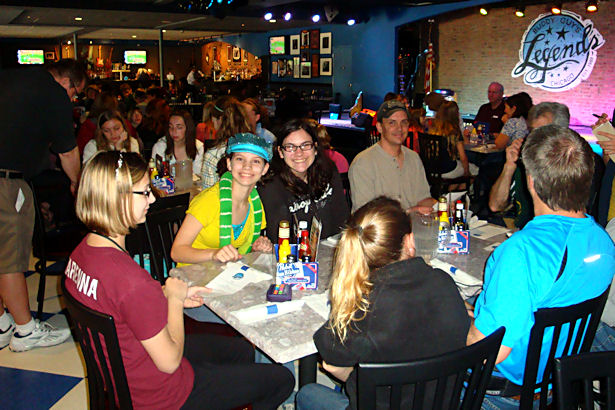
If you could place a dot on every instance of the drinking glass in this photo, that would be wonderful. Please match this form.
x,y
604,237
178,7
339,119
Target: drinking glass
x,y
425,229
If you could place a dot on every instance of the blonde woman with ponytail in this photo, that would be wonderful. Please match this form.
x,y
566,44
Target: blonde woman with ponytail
x,y
386,305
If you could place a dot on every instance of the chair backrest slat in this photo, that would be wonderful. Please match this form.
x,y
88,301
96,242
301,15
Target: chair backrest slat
x,y
577,322
108,386
437,381
574,377
161,228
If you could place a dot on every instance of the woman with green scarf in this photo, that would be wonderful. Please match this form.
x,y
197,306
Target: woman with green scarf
x,y
225,221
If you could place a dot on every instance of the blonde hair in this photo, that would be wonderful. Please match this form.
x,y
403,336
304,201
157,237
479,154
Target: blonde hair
x,y
101,142
372,239
446,124
104,199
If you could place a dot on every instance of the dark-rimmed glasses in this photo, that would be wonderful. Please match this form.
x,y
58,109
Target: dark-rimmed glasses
x,y
306,146
146,192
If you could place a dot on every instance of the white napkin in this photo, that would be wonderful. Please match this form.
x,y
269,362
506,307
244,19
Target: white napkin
x,y
235,277
467,284
487,231
266,311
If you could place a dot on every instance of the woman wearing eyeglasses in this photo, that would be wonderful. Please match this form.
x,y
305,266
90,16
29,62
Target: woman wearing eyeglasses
x,y
305,182
164,369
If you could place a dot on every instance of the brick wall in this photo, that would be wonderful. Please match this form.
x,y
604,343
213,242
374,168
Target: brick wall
x,y
474,50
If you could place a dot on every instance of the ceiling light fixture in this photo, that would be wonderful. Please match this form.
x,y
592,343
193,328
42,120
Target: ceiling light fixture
x,y
591,6
316,18
483,11
272,20
351,22
134,36
557,8
520,11
288,16
69,42
268,16
78,18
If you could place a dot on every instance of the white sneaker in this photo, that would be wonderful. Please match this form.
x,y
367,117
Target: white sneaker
x,y
43,335
6,335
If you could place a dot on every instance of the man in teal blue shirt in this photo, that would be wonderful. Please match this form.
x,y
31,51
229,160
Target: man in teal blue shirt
x,y
560,258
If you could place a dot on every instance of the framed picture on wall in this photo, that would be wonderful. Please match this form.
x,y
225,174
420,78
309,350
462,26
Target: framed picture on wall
x,y
245,55
274,67
305,39
305,55
315,65
314,39
325,43
236,54
281,68
297,66
289,67
50,55
306,69
295,41
229,54
326,66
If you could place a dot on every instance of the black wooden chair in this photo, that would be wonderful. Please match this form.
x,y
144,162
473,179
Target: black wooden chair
x,y
56,244
436,382
585,315
432,149
574,377
161,228
96,334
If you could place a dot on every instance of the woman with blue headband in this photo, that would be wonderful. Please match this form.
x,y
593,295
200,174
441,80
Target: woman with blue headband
x,y
225,221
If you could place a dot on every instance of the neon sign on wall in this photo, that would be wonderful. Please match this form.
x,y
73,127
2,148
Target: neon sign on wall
x,y
558,51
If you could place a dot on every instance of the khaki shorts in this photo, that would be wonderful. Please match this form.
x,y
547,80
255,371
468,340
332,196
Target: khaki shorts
x,y
16,227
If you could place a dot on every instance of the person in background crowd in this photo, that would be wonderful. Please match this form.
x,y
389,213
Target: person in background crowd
x,y
491,113
205,130
446,124
225,221
516,108
521,277
228,119
103,102
156,122
90,95
141,98
180,142
111,135
135,119
43,94
127,99
164,368
388,168
606,203
341,163
511,186
304,182
375,277
256,114
416,124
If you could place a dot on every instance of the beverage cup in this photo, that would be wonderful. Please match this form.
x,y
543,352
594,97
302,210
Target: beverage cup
x,y
425,228
183,174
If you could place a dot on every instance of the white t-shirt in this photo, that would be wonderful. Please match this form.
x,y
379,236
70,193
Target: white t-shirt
x,y
90,149
197,163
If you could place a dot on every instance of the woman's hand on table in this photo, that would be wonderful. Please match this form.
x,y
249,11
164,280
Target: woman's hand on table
x,y
193,296
262,244
175,289
227,253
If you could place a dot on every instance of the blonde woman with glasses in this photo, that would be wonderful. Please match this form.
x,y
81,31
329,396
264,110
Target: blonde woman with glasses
x,y
164,369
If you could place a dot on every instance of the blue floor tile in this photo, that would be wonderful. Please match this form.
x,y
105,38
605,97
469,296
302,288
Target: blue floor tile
x,y
24,389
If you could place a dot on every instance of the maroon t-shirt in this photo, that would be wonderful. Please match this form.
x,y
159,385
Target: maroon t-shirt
x,y
109,281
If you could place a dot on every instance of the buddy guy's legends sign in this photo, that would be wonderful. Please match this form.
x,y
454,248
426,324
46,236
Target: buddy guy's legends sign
x,y
558,51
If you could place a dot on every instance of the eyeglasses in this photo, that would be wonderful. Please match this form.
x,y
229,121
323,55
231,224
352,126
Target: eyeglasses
x,y
306,146
146,192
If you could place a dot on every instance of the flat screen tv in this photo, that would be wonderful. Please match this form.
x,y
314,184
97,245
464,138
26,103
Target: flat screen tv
x,y
30,56
135,57
277,45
